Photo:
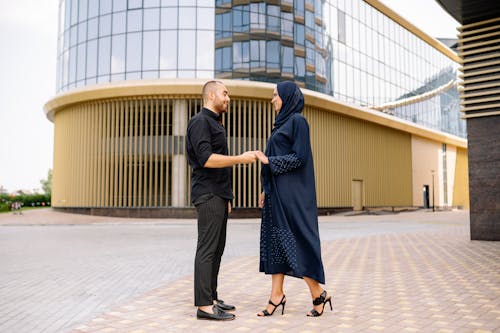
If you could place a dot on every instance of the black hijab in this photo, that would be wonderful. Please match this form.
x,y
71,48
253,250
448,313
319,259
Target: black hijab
x,y
293,102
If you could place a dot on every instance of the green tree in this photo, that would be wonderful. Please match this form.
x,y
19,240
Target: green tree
x,y
47,183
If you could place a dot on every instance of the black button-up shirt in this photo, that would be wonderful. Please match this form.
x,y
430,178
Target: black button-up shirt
x,y
206,136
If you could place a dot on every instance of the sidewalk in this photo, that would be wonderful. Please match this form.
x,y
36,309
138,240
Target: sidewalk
x,y
421,273
388,283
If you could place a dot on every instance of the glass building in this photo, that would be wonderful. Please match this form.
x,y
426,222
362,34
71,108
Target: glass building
x,y
348,55
347,49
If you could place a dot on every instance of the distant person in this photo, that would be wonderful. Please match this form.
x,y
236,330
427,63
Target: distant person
x,y
289,241
211,194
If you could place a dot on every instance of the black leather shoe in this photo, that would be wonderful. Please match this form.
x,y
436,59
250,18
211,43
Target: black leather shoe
x,y
223,306
217,315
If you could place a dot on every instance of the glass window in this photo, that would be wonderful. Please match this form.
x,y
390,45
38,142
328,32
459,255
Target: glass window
x,y
150,50
82,32
119,23
119,5
134,22
92,29
65,72
187,3
73,36
258,16
241,55
117,55
152,19
300,68
273,54
204,49
298,5
273,18
169,18
104,25
257,53
105,7
310,52
299,34
186,18
80,71
333,23
82,11
223,59
341,26
187,53
205,18
74,11
93,8
92,58
169,3
309,23
227,58
287,24
150,74
241,18
104,55
287,59
134,4
67,14
134,50
168,50
151,3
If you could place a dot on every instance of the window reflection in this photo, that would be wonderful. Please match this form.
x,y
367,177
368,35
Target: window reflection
x,y
187,54
134,20
169,18
150,50
134,47
118,54
104,56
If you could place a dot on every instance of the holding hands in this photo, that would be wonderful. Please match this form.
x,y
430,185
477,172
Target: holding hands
x,y
252,156
262,157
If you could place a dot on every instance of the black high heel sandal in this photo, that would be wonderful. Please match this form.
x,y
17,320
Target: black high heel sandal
x,y
282,303
322,299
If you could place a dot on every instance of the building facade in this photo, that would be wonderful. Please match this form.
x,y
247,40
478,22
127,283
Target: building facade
x,y
478,46
130,76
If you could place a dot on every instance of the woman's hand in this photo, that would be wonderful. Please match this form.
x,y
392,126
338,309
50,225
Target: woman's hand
x,y
261,156
261,200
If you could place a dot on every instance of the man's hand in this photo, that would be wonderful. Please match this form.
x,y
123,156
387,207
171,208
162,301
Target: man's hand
x,y
248,157
229,210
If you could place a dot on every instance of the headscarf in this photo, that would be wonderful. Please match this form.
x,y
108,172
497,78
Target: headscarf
x,y
293,102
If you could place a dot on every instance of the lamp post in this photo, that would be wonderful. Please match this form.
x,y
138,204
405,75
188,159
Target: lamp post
x,y
432,172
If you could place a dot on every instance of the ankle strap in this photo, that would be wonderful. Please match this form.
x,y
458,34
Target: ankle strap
x,y
321,299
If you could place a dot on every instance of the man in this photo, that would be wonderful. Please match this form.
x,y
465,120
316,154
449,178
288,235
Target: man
x,y
211,194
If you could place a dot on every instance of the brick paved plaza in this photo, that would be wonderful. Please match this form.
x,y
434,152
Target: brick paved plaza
x,y
407,272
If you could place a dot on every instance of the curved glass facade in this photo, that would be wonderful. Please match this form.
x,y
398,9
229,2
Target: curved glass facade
x,y
344,48
113,40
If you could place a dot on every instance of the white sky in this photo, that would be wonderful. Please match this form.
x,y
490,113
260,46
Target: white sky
x,y
28,46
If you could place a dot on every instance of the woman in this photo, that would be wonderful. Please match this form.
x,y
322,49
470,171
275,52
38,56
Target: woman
x,y
289,243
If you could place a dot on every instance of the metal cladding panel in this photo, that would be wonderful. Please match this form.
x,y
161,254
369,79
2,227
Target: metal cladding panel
x,y
347,149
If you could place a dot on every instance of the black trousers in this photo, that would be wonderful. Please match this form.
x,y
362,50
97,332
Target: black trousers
x,y
212,224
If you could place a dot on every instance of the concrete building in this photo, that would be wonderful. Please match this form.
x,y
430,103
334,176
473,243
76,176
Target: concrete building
x,y
381,99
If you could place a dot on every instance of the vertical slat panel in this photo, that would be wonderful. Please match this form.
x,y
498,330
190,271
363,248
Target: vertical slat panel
x,y
162,149
107,152
140,154
121,173
168,150
116,149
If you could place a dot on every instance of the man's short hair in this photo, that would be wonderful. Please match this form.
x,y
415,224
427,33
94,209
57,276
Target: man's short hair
x,y
208,88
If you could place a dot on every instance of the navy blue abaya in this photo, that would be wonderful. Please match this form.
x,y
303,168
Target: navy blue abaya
x,y
289,242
